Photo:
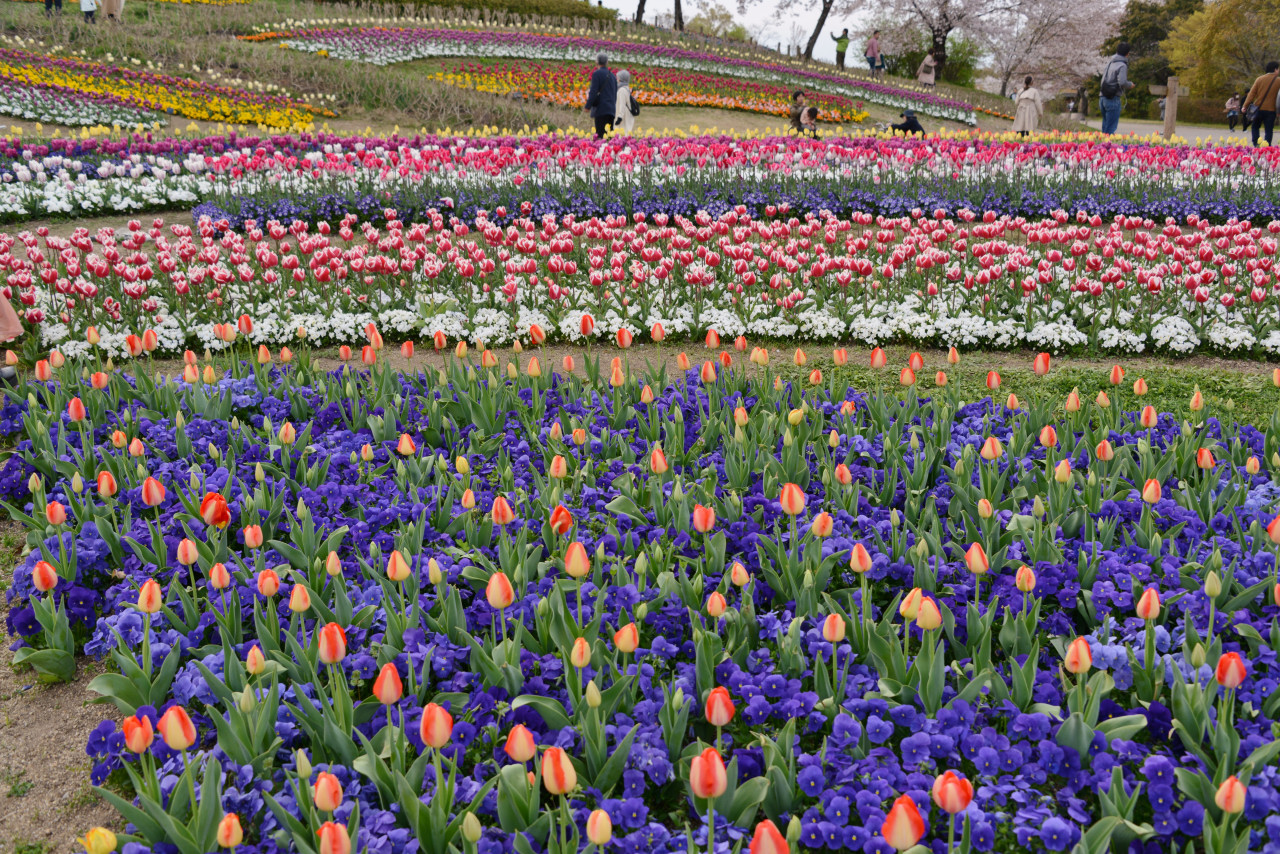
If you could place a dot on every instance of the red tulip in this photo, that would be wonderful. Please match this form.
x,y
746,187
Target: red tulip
x,y
502,512
498,591
792,499
44,576
333,839
1079,658
152,492
1040,366
214,510
627,638
719,707
230,833
1231,671
1149,604
561,520
704,519
150,599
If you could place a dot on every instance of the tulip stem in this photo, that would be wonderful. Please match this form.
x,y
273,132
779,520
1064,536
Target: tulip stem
x,y
951,833
146,643
191,780
711,827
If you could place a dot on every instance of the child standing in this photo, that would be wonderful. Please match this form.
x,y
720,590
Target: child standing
x,y
88,7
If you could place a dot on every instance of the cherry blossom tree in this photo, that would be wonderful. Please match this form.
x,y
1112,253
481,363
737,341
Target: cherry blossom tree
x,y
1058,42
940,18
824,9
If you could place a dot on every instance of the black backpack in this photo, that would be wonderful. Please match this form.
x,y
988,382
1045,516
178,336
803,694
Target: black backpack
x,y
634,106
1109,88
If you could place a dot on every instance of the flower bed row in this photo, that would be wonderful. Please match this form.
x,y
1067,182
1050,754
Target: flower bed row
x,y
70,107
318,176
568,86
97,83
1061,283
393,612
386,46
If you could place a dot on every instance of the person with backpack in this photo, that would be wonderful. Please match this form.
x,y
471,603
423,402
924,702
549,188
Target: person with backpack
x,y
1115,82
602,97
842,45
627,108
1260,103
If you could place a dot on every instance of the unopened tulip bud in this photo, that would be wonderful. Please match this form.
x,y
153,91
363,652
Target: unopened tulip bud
x,y
1025,579
592,695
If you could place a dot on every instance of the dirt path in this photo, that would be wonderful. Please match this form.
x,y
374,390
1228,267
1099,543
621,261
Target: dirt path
x,y
45,798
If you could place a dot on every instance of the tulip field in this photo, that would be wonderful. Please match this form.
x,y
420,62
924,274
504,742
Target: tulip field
x,y
536,607
493,491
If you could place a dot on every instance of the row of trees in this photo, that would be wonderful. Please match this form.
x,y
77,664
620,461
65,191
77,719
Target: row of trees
x,y
1057,41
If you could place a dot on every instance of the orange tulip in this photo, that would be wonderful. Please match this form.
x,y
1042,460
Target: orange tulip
x,y
576,562
792,499
558,774
975,559
903,827
907,377
268,582
1148,417
326,791
993,380
716,604
1025,579
833,628
561,520
580,653
397,567
153,492
627,638
44,577
188,554
388,688
230,833
1040,366
1117,375
106,484
708,372
499,592
138,734
599,828
1079,658
928,617
1151,491
991,449
333,839
1231,670
559,469
55,514
332,643
951,792
150,599
587,325
823,525
878,358
214,510
502,512
436,727
658,461
520,745
176,728
1149,604
1230,796
704,519
1140,387
768,840
719,709
1204,459
712,339
219,577
76,411
707,776
253,536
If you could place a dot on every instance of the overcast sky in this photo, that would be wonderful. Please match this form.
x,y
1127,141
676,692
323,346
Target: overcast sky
x,y
761,18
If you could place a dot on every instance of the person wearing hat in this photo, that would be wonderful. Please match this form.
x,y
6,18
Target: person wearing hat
x,y
602,97
909,123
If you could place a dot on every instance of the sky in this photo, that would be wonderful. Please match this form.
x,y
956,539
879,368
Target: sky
x,y
762,18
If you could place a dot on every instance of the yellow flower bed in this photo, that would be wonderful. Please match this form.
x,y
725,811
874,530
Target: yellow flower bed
x,y
159,92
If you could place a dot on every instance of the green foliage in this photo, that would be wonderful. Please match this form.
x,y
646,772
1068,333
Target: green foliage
x,y
1145,25
963,58
1225,46
496,10
715,20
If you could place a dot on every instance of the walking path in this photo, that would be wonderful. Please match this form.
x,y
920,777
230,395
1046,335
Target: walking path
x,y
1191,133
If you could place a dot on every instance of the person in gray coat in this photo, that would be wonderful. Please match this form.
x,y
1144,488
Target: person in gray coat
x,y
602,97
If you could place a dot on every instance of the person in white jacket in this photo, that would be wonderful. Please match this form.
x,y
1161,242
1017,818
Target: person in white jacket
x,y
1030,110
622,114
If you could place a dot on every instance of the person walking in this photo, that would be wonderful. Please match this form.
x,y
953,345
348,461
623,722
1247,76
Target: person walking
x,y
1233,111
873,53
842,45
602,97
50,6
112,9
1030,107
1260,103
622,114
88,7
1115,82
925,74
796,113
